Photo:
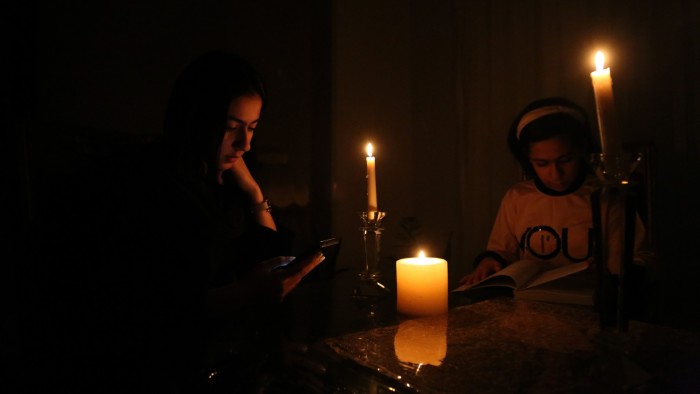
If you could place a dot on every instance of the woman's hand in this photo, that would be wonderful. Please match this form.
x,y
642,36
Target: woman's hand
x,y
282,281
245,180
266,284
485,268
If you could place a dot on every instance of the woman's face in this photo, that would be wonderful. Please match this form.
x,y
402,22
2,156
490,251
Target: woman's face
x,y
556,162
241,121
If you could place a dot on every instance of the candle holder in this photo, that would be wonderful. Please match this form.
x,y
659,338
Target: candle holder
x,y
614,170
369,284
613,211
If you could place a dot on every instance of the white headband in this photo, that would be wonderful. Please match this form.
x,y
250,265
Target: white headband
x,y
544,111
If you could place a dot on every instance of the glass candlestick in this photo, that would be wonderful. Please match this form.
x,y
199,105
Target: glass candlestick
x,y
614,216
615,169
370,278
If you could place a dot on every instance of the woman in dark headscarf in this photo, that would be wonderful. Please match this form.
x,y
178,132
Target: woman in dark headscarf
x,y
163,250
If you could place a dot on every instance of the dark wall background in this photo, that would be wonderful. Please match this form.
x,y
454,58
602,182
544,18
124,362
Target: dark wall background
x,y
433,84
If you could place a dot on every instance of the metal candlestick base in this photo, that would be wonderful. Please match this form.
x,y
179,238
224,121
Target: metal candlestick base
x,y
369,279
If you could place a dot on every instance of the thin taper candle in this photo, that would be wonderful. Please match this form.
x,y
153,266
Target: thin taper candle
x,y
371,180
605,106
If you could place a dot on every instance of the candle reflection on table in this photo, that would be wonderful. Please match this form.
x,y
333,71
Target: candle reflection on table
x,y
421,342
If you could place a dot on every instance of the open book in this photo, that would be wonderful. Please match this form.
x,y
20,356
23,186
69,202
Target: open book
x,y
537,281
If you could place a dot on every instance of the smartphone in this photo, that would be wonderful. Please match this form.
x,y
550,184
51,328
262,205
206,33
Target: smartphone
x,y
324,246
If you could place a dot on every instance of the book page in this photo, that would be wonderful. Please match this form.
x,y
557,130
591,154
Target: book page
x,y
513,276
556,273
574,289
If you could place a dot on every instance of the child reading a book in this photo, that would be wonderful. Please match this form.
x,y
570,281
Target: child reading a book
x,y
547,218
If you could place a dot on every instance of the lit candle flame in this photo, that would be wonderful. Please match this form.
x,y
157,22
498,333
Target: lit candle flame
x,y
370,149
421,254
599,61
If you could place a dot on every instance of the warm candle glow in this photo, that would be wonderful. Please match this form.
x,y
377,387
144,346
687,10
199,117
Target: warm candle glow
x,y
421,286
422,341
599,61
605,106
371,180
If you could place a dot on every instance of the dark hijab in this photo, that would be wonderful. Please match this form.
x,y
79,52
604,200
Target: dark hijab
x,y
195,118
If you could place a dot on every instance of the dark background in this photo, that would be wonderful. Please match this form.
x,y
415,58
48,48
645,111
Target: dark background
x,y
433,84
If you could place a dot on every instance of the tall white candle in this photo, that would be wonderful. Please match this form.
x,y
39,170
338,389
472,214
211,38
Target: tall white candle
x,y
605,106
371,180
421,286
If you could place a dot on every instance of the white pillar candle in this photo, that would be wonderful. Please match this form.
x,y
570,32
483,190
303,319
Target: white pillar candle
x,y
421,286
371,181
605,106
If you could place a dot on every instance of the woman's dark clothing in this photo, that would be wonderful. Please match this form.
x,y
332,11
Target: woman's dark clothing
x,y
121,263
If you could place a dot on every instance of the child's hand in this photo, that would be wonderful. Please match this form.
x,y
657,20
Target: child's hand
x,y
485,268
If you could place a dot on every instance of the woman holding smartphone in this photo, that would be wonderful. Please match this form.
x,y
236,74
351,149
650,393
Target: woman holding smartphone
x,y
159,265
